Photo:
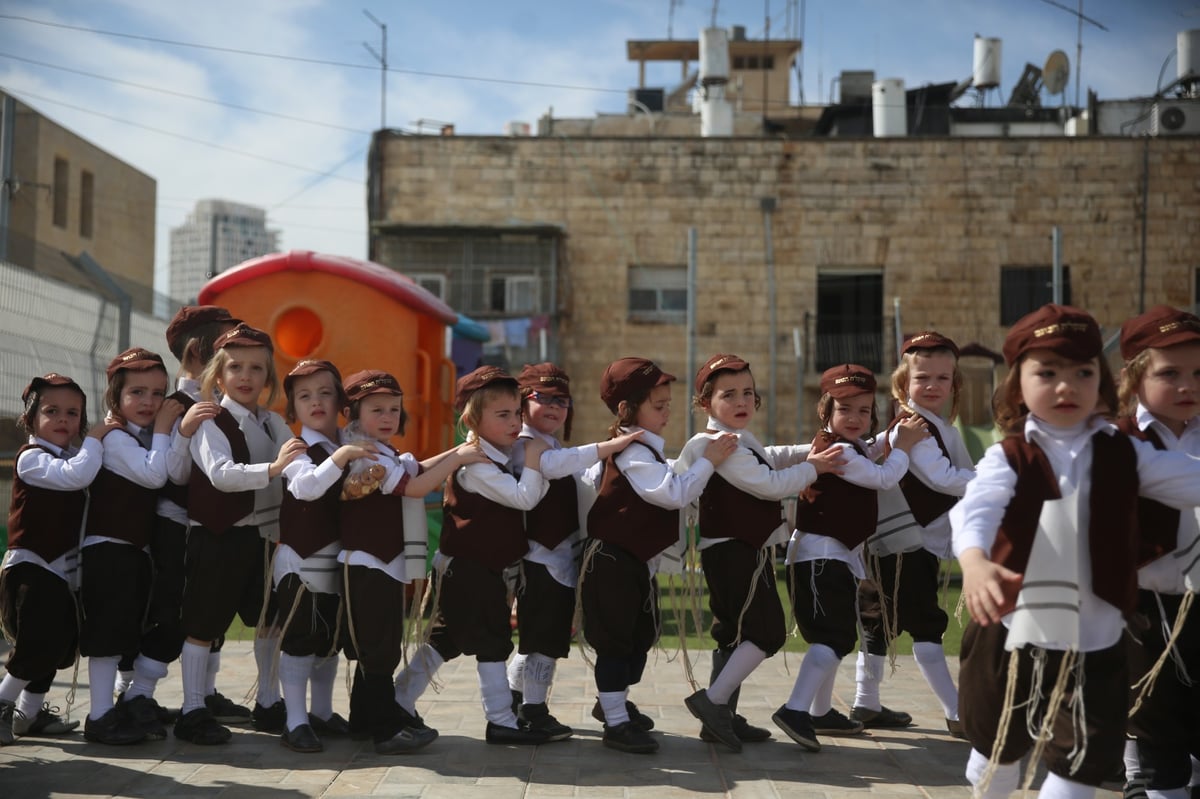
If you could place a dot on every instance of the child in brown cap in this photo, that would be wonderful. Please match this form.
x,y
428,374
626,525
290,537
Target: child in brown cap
x,y
634,519
1160,399
825,553
1048,542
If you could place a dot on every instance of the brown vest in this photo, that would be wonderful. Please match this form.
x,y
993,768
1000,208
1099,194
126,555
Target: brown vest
x,y
480,529
120,508
44,520
838,509
174,491
1158,524
215,509
729,512
309,526
1112,508
621,517
925,503
556,516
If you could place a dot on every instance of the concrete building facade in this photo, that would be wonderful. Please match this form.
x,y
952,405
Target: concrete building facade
x,y
216,235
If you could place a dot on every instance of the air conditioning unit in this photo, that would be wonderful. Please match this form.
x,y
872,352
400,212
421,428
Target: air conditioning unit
x,y
1175,118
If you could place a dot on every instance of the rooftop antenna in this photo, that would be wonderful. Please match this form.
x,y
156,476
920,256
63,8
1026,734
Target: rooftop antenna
x,y
382,59
714,12
671,6
1080,19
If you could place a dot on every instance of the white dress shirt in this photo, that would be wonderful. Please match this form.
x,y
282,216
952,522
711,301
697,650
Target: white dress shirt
x,y
179,457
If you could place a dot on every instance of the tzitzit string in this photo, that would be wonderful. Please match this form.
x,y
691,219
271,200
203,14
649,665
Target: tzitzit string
x,y
1146,684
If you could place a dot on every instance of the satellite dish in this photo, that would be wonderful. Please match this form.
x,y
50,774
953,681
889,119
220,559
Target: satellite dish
x,y
1057,72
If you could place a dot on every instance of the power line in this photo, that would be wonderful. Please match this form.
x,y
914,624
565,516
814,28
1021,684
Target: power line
x,y
183,95
191,139
306,60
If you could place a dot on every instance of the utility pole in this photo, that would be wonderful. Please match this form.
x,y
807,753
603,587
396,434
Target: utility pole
x,y
381,57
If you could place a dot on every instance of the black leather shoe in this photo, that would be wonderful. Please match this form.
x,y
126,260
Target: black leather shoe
x,y
114,728
746,732
497,734
199,727
334,725
537,717
225,710
628,737
409,739
301,739
834,722
884,717
717,719
269,719
144,712
798,725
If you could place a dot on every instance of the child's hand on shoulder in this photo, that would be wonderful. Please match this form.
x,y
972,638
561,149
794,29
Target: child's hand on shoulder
x,y
164,420
111,422
293,447
468,453
352,452
721,448
828,461
614,445
911,432
989,590
534,448
199,412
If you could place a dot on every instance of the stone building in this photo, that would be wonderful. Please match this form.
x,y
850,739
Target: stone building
x,y
948,232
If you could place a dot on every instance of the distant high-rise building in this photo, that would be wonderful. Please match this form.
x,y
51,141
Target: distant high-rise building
x,y
218,234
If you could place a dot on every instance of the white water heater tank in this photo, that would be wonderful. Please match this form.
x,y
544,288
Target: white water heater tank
x,y
986,72
889,114
1187,54
714,56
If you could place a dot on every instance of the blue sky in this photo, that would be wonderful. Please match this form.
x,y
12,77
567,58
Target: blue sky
x,y
297,144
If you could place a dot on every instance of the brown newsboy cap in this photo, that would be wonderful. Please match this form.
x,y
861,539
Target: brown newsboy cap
x,y
928,340
1065,330
371,381
190,317
847,380
135,359
51,380
629,376
545,378
243,336
1161,326
471,382
310,366
718,363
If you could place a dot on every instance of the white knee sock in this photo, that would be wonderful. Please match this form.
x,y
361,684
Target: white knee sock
x,y
146,674
818,661
822,703
210,676
412,681
122,682
102,674
29,704
294,671
1056,787
613,705
497,699
194,662
742,662
268,677
1005,779
1158,793
322,680
516,673
539,675
868,673
931,660
11,688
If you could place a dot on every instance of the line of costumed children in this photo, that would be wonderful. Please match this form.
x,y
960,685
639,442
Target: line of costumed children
x,y
1078,539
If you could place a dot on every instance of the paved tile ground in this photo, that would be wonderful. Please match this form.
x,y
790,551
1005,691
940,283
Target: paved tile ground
x,y
920,761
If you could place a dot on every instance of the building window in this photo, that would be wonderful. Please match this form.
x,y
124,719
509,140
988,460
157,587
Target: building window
x,y
515,294
658,293
434,284
850,319
753,62
61,183
86,190
1024,289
